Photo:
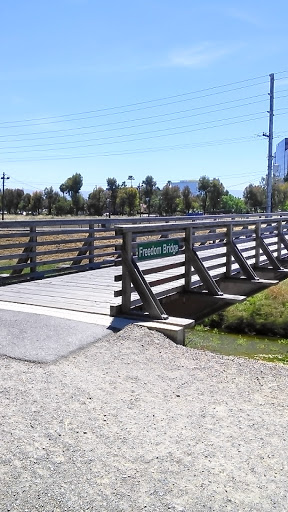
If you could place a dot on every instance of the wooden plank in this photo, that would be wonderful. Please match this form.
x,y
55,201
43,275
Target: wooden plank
x,y
208,237
204,248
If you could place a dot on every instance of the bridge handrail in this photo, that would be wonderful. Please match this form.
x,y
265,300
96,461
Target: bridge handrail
x,y
46,247
242,243
109,222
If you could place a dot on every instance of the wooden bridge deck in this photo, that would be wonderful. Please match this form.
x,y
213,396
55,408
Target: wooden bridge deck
x,y
90,292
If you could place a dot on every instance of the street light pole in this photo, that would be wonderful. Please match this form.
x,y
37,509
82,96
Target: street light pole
x,y
3,178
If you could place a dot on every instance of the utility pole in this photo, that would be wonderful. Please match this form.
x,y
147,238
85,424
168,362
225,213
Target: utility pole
x,y
131,178
270,146
3,178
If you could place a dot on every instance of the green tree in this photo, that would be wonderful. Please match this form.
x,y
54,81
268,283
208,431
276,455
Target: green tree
x,y
97,201
255,197
186,199
127,200
63,188
73,186
9,200
170,198
121,201
18,195
63,206
204,184
149,185
279,194
51,196
24,205
113,188
284,201
232,204
215,193
132,200
37,201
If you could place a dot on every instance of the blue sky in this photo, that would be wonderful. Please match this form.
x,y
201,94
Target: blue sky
x,y
110,89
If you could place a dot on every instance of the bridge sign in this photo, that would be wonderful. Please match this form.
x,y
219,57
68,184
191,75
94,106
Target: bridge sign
x,y
157,249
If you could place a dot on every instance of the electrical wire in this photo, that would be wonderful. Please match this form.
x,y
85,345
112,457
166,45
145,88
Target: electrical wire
x,y
133,134
121,112
150,101
146,118
236,140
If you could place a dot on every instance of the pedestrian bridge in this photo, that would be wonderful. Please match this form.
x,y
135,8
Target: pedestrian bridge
x,y
154,269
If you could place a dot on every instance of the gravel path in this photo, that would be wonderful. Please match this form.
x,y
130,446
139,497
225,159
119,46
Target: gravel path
x,y
135,423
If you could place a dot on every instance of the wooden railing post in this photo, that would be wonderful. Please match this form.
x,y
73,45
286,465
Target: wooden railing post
x,y
126,279
279,239
229,250
257,243
91,244
33,248
188,270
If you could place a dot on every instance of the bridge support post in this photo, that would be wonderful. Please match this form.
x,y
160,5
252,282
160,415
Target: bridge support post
x,y
33,239
280,234
126,279
91,243
228,272
188,270
257,244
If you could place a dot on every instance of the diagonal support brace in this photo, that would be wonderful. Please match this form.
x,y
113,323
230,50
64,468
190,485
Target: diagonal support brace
x,y
241,261
283,240
150,301
207,280
270,257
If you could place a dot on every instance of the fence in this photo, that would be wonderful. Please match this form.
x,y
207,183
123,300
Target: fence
x,y
38,248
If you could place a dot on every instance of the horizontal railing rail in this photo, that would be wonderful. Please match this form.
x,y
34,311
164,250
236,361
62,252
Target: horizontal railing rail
x,y
32,249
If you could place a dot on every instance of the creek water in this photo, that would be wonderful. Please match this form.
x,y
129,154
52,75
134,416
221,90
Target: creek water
x,y
256,347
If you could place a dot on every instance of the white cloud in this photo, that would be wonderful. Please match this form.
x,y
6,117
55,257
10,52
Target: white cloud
x,y
200,55
245,16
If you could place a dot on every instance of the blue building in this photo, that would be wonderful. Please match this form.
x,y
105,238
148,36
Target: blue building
x,y
280,167
192,184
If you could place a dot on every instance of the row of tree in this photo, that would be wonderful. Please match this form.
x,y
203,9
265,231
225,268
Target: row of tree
x,y
120,199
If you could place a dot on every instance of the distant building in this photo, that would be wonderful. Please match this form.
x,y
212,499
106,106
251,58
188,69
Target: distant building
x,y
280,167
192,184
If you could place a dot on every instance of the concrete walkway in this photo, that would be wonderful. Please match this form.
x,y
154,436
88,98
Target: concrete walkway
x,y
43,335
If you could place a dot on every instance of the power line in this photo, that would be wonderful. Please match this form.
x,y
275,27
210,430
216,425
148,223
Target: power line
x,y
236,140
127,121
123,111
133,134
146,101
155,135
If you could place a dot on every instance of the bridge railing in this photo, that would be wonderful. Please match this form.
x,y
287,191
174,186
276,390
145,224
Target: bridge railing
x,y
224,248
32,249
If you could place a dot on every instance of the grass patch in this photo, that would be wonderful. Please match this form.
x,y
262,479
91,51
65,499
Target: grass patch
x,y
265,314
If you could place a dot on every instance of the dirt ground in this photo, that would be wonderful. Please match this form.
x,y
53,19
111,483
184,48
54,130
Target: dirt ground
x,y
135,423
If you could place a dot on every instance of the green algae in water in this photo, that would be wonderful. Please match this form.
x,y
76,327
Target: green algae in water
x,y
272,350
